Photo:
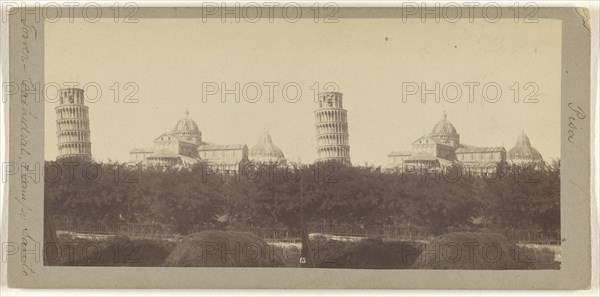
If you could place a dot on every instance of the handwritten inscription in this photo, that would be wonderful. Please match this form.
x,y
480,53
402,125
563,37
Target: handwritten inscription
x,y
28,32
29,245
26,115
574,119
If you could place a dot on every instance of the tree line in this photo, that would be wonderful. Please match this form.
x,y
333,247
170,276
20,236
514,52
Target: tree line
x,y
294,194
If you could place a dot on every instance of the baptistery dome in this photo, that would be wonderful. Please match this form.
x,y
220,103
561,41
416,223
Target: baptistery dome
x,y
523,151
265,151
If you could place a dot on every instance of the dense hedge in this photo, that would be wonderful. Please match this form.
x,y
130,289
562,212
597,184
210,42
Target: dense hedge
x,y
270,196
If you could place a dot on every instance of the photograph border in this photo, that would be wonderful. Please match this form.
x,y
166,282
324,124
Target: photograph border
x,y
25,199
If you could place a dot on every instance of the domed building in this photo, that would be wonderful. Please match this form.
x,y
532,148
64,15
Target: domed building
x,y
523,152
445,132
265,151
183,146
442,149
187,130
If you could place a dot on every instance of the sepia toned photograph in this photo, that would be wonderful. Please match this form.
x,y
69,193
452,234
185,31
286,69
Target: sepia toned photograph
x,y
370,156
297,140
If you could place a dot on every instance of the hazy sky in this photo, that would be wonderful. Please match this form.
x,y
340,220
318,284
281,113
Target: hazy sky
x,y
369,59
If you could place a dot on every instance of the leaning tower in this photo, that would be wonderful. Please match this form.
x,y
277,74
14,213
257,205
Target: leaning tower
x,y
73,126
332,129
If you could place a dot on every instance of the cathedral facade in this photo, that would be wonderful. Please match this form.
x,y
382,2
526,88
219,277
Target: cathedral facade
x,y
441,149
183,146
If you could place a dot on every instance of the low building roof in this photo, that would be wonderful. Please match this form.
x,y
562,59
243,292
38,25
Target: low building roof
x,y
421,156
218,147
393,165
190,160
433,140
141,150
463,149
399,153
164,154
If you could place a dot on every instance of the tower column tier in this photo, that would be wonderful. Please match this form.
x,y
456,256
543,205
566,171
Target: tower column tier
x,y
73,126
331,127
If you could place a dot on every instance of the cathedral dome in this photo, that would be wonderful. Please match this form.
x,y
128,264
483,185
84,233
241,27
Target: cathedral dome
x,y
185,124
523,150
265,150
445,132
187,130
444,126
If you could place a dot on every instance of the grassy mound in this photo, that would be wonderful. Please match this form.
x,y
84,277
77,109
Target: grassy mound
x,y
223,249
290,253
470,250
538,257
107,251
368,253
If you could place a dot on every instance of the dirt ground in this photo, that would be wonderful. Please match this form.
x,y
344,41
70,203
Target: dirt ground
x,y
107,251
326,252
222,249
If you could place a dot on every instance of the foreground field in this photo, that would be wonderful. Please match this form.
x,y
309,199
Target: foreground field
x,y
240,249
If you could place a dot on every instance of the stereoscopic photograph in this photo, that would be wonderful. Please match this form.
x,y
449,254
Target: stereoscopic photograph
x,y
324,139
353,144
